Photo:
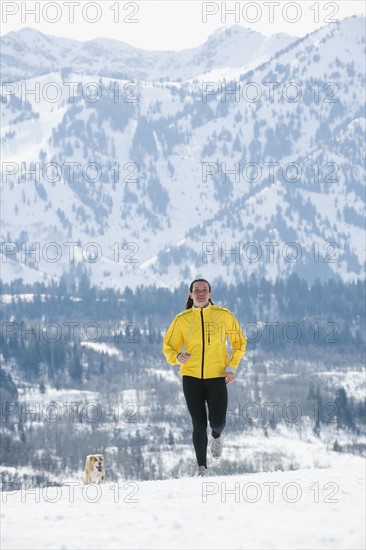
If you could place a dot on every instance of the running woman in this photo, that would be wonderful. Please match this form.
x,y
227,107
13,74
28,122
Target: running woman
x,y
201,329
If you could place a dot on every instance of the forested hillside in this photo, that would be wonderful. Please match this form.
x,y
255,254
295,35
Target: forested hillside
x,y
81,362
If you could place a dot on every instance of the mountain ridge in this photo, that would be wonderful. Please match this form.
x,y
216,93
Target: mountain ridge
x,y
186,59
179,197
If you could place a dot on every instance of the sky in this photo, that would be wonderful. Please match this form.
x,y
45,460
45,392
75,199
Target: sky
x,y
170,24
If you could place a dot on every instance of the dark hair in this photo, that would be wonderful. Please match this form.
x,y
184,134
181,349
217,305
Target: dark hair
x,y
189,302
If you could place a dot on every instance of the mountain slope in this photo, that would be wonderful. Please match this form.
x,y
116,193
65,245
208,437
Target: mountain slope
x,y
28,53
151,183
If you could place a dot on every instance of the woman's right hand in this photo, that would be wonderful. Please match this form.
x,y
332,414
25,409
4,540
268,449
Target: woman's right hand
x,y
183,357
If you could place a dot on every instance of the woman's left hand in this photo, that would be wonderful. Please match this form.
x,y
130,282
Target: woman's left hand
x,y
230,377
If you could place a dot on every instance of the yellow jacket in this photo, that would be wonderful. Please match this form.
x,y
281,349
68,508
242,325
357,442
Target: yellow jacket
x,y
203,332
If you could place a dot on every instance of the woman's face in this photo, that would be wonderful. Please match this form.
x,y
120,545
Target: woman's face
x,y
200,294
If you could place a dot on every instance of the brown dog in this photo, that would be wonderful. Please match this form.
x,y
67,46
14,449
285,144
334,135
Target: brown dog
x,y
94,469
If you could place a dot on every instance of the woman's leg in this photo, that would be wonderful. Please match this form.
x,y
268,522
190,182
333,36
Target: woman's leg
x,y
194,392
217,399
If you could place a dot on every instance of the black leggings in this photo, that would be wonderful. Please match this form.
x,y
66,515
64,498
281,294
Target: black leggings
x,y
197,391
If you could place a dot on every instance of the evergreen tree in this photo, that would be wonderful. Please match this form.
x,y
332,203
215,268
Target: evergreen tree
x,y
343,411
75,367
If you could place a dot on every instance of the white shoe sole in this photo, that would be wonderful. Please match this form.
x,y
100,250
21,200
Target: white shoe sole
x,y
216,451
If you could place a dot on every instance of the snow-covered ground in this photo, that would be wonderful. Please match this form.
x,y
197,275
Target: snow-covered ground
x,y
303,509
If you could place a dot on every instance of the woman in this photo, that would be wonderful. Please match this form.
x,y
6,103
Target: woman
x,y
204,364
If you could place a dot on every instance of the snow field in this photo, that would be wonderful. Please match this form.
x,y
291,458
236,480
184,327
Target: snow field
x,y
303,509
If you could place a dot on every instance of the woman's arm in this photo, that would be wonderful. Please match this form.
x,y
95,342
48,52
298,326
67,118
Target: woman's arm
x,y
173,342
237,340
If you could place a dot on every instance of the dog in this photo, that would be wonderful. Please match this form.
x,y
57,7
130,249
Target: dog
x,y
94,469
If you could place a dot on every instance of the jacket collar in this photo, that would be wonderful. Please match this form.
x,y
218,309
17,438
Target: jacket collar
x,y
203,308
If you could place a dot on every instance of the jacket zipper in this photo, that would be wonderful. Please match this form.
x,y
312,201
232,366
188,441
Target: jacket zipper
x,y
203,344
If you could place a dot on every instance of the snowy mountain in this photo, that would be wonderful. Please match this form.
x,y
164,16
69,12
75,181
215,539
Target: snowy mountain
x,y
139,170
28,53
311,508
